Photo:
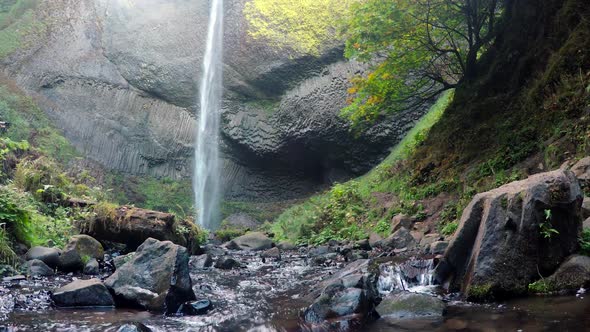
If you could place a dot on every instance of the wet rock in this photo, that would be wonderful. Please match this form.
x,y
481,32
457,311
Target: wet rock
x,y
201,261
83,293
195,307
406,305
92,267
70,261
438,247
156,278
227,263
499,249
362,245
325,259
49,256
571,275
273,253
402,239
401,220
134,327
214,250
122,259
374,239
254,241
286,246
338,302
36,268
356,274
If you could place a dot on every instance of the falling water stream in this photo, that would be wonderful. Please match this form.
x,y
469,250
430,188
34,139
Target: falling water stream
x,y
206,172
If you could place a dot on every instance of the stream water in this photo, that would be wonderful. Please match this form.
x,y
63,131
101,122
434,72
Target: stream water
x,y
268,296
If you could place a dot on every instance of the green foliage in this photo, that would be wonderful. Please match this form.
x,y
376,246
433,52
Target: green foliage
x,y
304,25
585,242
227,234
17,25
449,228
545,227
540,287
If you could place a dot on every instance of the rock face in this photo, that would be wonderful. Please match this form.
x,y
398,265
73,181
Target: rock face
x,y
500,247
83,293
124,94
156,278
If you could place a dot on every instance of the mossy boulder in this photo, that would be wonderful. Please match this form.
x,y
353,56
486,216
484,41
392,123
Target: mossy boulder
x,y
406,305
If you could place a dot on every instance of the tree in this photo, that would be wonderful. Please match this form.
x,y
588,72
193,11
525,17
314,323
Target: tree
x,y
303,25
419,48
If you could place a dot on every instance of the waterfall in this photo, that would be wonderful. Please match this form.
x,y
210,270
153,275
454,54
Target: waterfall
x,y
413,275
206,172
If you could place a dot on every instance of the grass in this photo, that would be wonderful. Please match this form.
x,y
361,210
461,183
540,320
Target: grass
x,y
17,25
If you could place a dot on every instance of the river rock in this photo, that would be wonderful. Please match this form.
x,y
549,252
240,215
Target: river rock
x,y
254,241
36,268
122,259
86,246
272,253
227,263
70,261
156,278
49,256
586,208
499,249
83,293
92,267
201,261
195,307
401,239
406,305
134,327
571,275
338,302
401,220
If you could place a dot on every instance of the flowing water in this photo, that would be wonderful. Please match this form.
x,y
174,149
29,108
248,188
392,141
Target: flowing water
x,y
206,172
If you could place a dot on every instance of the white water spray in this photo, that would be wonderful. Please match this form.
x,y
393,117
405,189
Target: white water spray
x,y
206,172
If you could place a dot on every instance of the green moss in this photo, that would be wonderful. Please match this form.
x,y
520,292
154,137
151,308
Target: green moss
x,y
18,25
540,287
480,292
449,228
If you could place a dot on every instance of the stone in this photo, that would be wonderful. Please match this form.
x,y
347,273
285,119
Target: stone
x,y
499,249
337,301
571,275
195,307
272,253
374,239
428,239
362,245
83,293
401,220
586,223
254,241
227,263
286,246
438,247
581,169
156,278
37,268
86,246
201,261
70,261
92,267
49,256
319,251
406,305
134,327
122,259
402,239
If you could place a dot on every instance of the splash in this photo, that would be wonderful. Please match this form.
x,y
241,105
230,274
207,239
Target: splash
x,y
413,276
206,172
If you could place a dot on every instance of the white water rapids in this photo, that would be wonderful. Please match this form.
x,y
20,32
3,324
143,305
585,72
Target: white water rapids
x,y
206,173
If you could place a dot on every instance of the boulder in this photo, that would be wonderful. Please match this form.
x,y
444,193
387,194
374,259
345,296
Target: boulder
x,y
156,278
338,302
571,275
586,208
438,247
36,268
83,293
227,263
362,245
272,253
399,240
586,223
581,170
49,256
70,261
401,220
133,226
92,267
122,259
201,261
86,246
374,239
254,241
500,247
406,305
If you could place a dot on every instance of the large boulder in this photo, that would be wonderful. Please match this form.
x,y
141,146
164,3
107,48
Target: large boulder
x,y
132,226
400,239
49,256
36,268
83,293
406,305
80,250
156,278
509,235
254,241
571,275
